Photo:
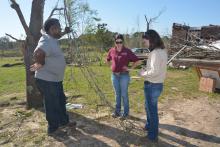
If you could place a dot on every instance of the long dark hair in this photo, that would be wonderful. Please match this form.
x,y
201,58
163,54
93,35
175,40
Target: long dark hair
x,y
154,39
118,36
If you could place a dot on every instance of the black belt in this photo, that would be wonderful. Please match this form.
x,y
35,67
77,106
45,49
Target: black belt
x,y
147,82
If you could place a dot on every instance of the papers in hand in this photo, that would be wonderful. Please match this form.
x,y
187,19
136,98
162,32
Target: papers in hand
x,y
142,71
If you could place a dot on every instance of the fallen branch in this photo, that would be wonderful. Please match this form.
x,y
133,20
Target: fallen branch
x,y
196,62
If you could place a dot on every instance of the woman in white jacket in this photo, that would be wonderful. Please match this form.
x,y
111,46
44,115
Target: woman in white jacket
x,y
154,74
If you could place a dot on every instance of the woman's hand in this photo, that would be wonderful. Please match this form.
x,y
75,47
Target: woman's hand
x,y
125,68
142,72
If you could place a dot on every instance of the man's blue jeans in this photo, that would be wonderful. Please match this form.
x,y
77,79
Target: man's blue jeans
x,y
54,103
120,83
152,91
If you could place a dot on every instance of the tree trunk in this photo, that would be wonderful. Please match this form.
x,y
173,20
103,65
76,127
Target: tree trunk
x,y
148,26
34,98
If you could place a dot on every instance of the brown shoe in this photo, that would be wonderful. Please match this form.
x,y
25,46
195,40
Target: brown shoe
x,y
71,125
145,129
57,133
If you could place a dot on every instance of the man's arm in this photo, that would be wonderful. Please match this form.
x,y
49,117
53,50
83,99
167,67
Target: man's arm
x,y
39,59
39,56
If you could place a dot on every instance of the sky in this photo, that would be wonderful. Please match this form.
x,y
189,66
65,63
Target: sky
x,y
125,16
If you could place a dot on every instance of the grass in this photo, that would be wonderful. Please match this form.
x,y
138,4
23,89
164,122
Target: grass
x,y
179,84
11,53
12,79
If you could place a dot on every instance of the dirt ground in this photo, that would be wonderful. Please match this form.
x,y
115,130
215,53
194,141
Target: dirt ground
x,y
186,122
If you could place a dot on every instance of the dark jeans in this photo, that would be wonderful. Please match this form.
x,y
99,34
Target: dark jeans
x,y
152,91
54,103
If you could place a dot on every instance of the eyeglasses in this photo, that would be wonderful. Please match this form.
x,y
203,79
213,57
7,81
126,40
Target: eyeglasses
x,y
118,42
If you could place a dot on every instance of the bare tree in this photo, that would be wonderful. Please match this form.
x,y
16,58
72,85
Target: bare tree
x,y
33,34
34,99
151,20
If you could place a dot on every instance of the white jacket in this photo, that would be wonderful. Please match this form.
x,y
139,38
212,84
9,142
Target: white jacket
x,y
156,68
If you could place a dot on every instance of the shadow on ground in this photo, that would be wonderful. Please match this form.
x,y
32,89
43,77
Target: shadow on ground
x,y
90,132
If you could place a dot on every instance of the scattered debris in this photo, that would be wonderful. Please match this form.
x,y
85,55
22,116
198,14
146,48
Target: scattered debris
x,y
207,84
13,98
194,62
74,106
21,102
209,78
135,77
175,88
11,65
4,104
201,42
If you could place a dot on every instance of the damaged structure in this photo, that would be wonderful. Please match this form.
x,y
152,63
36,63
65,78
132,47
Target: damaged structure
x,y
183,34
198,47
200,41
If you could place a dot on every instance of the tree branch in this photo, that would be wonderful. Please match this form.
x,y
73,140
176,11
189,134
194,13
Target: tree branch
x,y
16,7
146,18
14,38
55,9
151,20
18,40
159,14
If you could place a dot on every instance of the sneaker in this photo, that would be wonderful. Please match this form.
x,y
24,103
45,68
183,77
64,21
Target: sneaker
x,y
145,129
115,115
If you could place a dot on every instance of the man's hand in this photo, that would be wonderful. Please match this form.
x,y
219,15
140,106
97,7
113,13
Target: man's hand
x,y
36,67
67,30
